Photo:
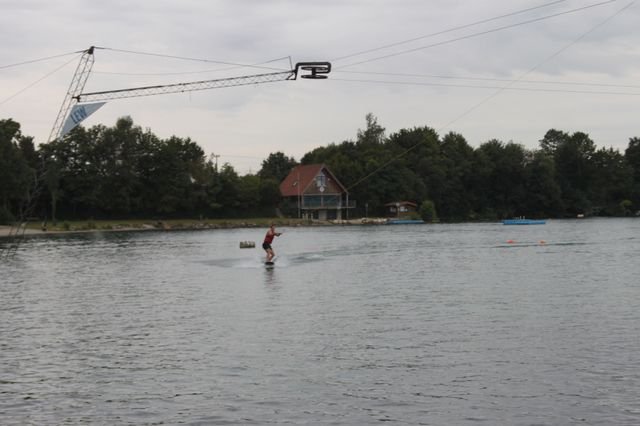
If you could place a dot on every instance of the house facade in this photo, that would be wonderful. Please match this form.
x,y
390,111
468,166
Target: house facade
x,y
315,193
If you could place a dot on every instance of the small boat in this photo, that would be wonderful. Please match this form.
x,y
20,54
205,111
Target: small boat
x,y
523,221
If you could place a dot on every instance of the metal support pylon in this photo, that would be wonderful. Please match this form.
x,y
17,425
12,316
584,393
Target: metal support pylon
x,y
75,89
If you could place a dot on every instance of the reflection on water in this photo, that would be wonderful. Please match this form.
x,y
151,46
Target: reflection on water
x,y
427,324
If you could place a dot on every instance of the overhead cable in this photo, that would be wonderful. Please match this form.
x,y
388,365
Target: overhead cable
x,y
37,81
38,60
460,27
505,80
470,86
184,58
465,37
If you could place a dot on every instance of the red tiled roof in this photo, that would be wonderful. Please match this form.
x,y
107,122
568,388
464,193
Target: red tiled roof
x,y
304,175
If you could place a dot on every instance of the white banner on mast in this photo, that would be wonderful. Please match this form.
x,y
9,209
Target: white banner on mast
x,y
78,113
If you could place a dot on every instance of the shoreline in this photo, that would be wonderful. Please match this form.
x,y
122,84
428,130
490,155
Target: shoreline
x,y
78,227
6,231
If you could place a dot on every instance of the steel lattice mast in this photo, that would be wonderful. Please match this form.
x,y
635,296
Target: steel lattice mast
x,y
75,88
314,70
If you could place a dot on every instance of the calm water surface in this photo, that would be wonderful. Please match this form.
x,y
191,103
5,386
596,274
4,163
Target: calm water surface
x,y
410,324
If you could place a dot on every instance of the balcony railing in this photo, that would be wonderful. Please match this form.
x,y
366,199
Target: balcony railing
x,y
325,202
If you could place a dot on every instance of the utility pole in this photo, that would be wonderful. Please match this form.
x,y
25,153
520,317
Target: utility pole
x,y
216,157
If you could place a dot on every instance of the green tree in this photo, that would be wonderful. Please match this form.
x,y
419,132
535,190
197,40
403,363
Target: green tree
x,y
418,151
575,172
269,196
229,188
277,166
612,182
632,157
500,177
373,134
16,177
72,181
248,195
552,140
125,171
179,177
427,211
28,150
52,178
456,159
120,190
543,192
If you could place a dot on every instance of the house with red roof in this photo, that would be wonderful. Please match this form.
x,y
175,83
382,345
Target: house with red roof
x,y
315,192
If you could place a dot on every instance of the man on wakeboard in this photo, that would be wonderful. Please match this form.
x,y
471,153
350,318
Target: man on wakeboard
x,y
268,239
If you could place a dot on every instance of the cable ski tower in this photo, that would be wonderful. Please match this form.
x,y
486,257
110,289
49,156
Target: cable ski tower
x,y
78,105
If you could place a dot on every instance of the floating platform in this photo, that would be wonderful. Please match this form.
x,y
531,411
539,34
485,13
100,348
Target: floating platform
x,y
524,222
404,221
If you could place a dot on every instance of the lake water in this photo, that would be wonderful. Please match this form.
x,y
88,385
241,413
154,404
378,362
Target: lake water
x,y
448,324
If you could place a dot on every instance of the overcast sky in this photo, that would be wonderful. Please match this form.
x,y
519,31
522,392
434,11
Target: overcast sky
x,y
510,78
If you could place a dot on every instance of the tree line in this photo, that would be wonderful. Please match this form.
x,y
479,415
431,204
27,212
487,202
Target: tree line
x,y
127,172
565,176
122,172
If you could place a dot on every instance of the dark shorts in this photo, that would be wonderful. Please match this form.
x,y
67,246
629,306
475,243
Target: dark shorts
x,y
266,246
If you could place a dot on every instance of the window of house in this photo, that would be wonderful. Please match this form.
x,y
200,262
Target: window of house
x,y
321,181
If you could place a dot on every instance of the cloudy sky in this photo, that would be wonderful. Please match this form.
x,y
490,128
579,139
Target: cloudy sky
x,y
509,70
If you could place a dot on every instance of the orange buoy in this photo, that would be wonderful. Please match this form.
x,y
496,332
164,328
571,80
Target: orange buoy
x,y
510,241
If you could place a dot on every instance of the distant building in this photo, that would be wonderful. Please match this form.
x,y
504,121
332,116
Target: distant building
x,y
315,193
400,208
